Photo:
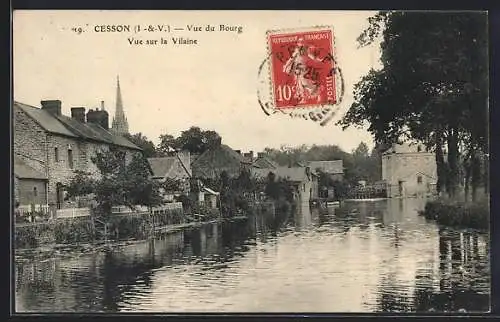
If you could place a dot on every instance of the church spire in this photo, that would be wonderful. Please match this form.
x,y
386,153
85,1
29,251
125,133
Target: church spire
x,y
120,124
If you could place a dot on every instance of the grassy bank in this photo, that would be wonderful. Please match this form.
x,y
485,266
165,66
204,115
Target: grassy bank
x,y
459,214
83,229
70,250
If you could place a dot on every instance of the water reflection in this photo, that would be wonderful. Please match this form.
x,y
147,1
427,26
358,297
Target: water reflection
x,y
361,257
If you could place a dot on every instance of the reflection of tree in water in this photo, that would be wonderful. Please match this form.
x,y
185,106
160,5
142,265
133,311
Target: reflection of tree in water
x,y
391,299
459,276
360,214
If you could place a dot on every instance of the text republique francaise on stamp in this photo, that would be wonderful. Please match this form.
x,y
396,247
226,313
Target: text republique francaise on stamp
x,y
304,79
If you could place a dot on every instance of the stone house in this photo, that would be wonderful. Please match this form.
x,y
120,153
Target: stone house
x,y
176,167
303,180
409,170
56,146
334,168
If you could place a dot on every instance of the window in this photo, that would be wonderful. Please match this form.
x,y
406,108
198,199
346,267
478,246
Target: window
x,y
70,158
419,148
56,154
419,179
35,192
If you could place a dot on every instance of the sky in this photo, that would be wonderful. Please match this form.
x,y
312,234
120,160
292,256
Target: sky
x,y
168,88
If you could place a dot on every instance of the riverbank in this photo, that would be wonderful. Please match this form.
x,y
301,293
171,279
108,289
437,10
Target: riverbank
x,y
459,214
73,250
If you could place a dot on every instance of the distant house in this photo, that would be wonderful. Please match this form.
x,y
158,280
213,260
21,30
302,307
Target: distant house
x,y
409,170
334,168
264,162
208,197
217,159
50,147
304,181
176,167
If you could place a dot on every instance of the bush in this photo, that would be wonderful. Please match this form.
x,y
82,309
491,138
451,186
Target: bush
x,y
69,231
459,214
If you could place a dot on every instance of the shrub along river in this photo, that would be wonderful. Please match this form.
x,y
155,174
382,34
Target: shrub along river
x,y
363,257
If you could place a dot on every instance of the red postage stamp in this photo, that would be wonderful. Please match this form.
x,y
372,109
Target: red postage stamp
x,y
302,68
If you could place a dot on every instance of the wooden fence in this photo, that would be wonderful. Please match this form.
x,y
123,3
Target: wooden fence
x,y
32,213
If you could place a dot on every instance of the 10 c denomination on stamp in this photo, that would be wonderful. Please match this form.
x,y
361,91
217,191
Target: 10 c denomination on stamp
x,y
302,68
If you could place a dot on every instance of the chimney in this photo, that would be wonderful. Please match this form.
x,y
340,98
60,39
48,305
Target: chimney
x,y
78,113
249,155
52,106
98,117
102,106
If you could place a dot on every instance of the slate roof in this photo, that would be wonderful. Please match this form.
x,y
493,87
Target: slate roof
x,y
330,167
67,126
216,158
45,120
161,166
24,171
296,174
264,163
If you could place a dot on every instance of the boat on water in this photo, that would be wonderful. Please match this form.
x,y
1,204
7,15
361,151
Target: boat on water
x,y
332,203
365,200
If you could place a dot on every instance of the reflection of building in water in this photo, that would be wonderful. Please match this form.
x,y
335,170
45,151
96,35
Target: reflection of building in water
x,y
303,216
409,170
206,239
62,284
59,284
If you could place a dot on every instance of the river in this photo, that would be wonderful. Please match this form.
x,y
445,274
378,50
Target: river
x,y
378,256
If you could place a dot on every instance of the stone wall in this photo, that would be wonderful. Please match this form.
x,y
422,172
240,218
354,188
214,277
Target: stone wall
x,y
408,168
30,141
59,168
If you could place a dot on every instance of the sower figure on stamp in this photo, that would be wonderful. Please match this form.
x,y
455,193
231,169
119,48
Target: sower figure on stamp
x,y
305,66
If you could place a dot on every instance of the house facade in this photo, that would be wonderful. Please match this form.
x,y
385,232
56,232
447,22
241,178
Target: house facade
x,y
333,168
409,170
56,147
303,180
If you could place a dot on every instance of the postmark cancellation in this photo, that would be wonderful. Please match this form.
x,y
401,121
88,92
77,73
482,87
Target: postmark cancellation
x,y
304,78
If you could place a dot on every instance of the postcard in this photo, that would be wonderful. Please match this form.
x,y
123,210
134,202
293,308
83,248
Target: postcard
x,y
250,161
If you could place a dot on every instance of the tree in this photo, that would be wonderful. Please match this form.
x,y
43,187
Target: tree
x,y
119,182
278,189
167,144
194,140
147,146
361,151
433,86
